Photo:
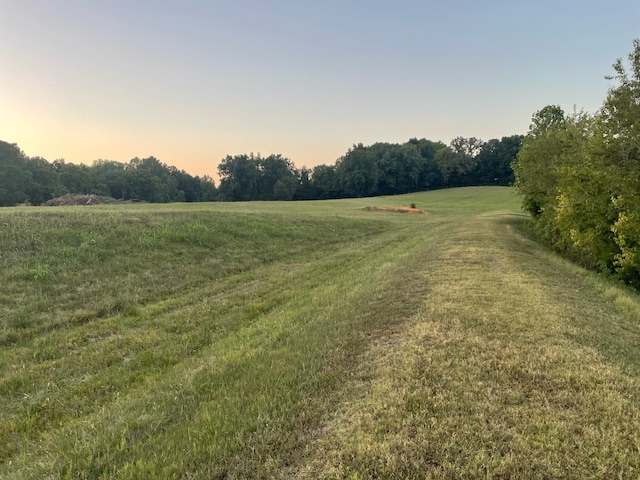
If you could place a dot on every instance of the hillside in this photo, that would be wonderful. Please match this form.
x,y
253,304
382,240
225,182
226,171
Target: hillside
x,y
322,339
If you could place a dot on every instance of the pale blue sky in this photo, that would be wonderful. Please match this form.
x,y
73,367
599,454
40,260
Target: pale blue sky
x,y
192,81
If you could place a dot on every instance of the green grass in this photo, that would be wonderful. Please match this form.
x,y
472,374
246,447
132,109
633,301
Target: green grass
x,y
309,340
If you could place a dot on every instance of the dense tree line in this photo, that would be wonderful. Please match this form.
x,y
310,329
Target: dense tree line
x,y
378,169
579,176
35,180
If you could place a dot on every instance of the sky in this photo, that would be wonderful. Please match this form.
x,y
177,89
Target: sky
x,y
192,81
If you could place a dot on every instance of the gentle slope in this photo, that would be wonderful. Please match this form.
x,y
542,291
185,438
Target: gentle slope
x,y
310,340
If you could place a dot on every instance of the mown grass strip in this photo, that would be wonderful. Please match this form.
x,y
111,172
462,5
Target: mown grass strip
x,y
200,371
311,340
504,373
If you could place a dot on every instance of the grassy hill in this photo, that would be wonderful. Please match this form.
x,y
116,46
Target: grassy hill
x,y
309,340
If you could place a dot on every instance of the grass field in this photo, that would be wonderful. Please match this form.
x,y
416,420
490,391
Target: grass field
x,y
309,340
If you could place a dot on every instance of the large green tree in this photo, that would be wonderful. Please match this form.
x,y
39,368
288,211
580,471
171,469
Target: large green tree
x,y
430,173
208,189
239,176
45,183
75,178
580,177
358,172
324,182
583,204
457,162
278,179
537,167
493,161
400,168
621,138
150,180
253,177
14,175
108,178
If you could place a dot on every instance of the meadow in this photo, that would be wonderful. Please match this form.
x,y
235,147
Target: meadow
x,y
324,339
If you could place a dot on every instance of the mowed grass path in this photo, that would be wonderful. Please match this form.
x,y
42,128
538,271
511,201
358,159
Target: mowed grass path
x,y
310,340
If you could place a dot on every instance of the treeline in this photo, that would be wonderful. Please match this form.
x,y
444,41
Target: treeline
x,y
378,169
35,180
366,171
579,175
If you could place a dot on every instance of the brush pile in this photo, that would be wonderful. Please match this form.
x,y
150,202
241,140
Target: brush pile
x,y
77,199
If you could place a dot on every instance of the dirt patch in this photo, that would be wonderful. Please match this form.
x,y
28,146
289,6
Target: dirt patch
x,y
395,209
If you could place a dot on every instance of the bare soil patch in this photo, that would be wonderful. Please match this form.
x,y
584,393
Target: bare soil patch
x,y
397,209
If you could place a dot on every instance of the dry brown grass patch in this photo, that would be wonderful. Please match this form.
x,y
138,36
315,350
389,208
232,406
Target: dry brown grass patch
x,y
396,209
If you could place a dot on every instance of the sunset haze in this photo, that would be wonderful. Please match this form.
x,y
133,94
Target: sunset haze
x,y
191,82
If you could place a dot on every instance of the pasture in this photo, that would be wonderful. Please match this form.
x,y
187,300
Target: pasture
x,y
326,339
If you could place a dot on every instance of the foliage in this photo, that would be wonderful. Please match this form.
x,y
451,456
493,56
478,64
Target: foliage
x,y
364,171
253,177
239,177
359,171
493,161
535,169
324,182
578,176
417,165
15,178
35,180
621,142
